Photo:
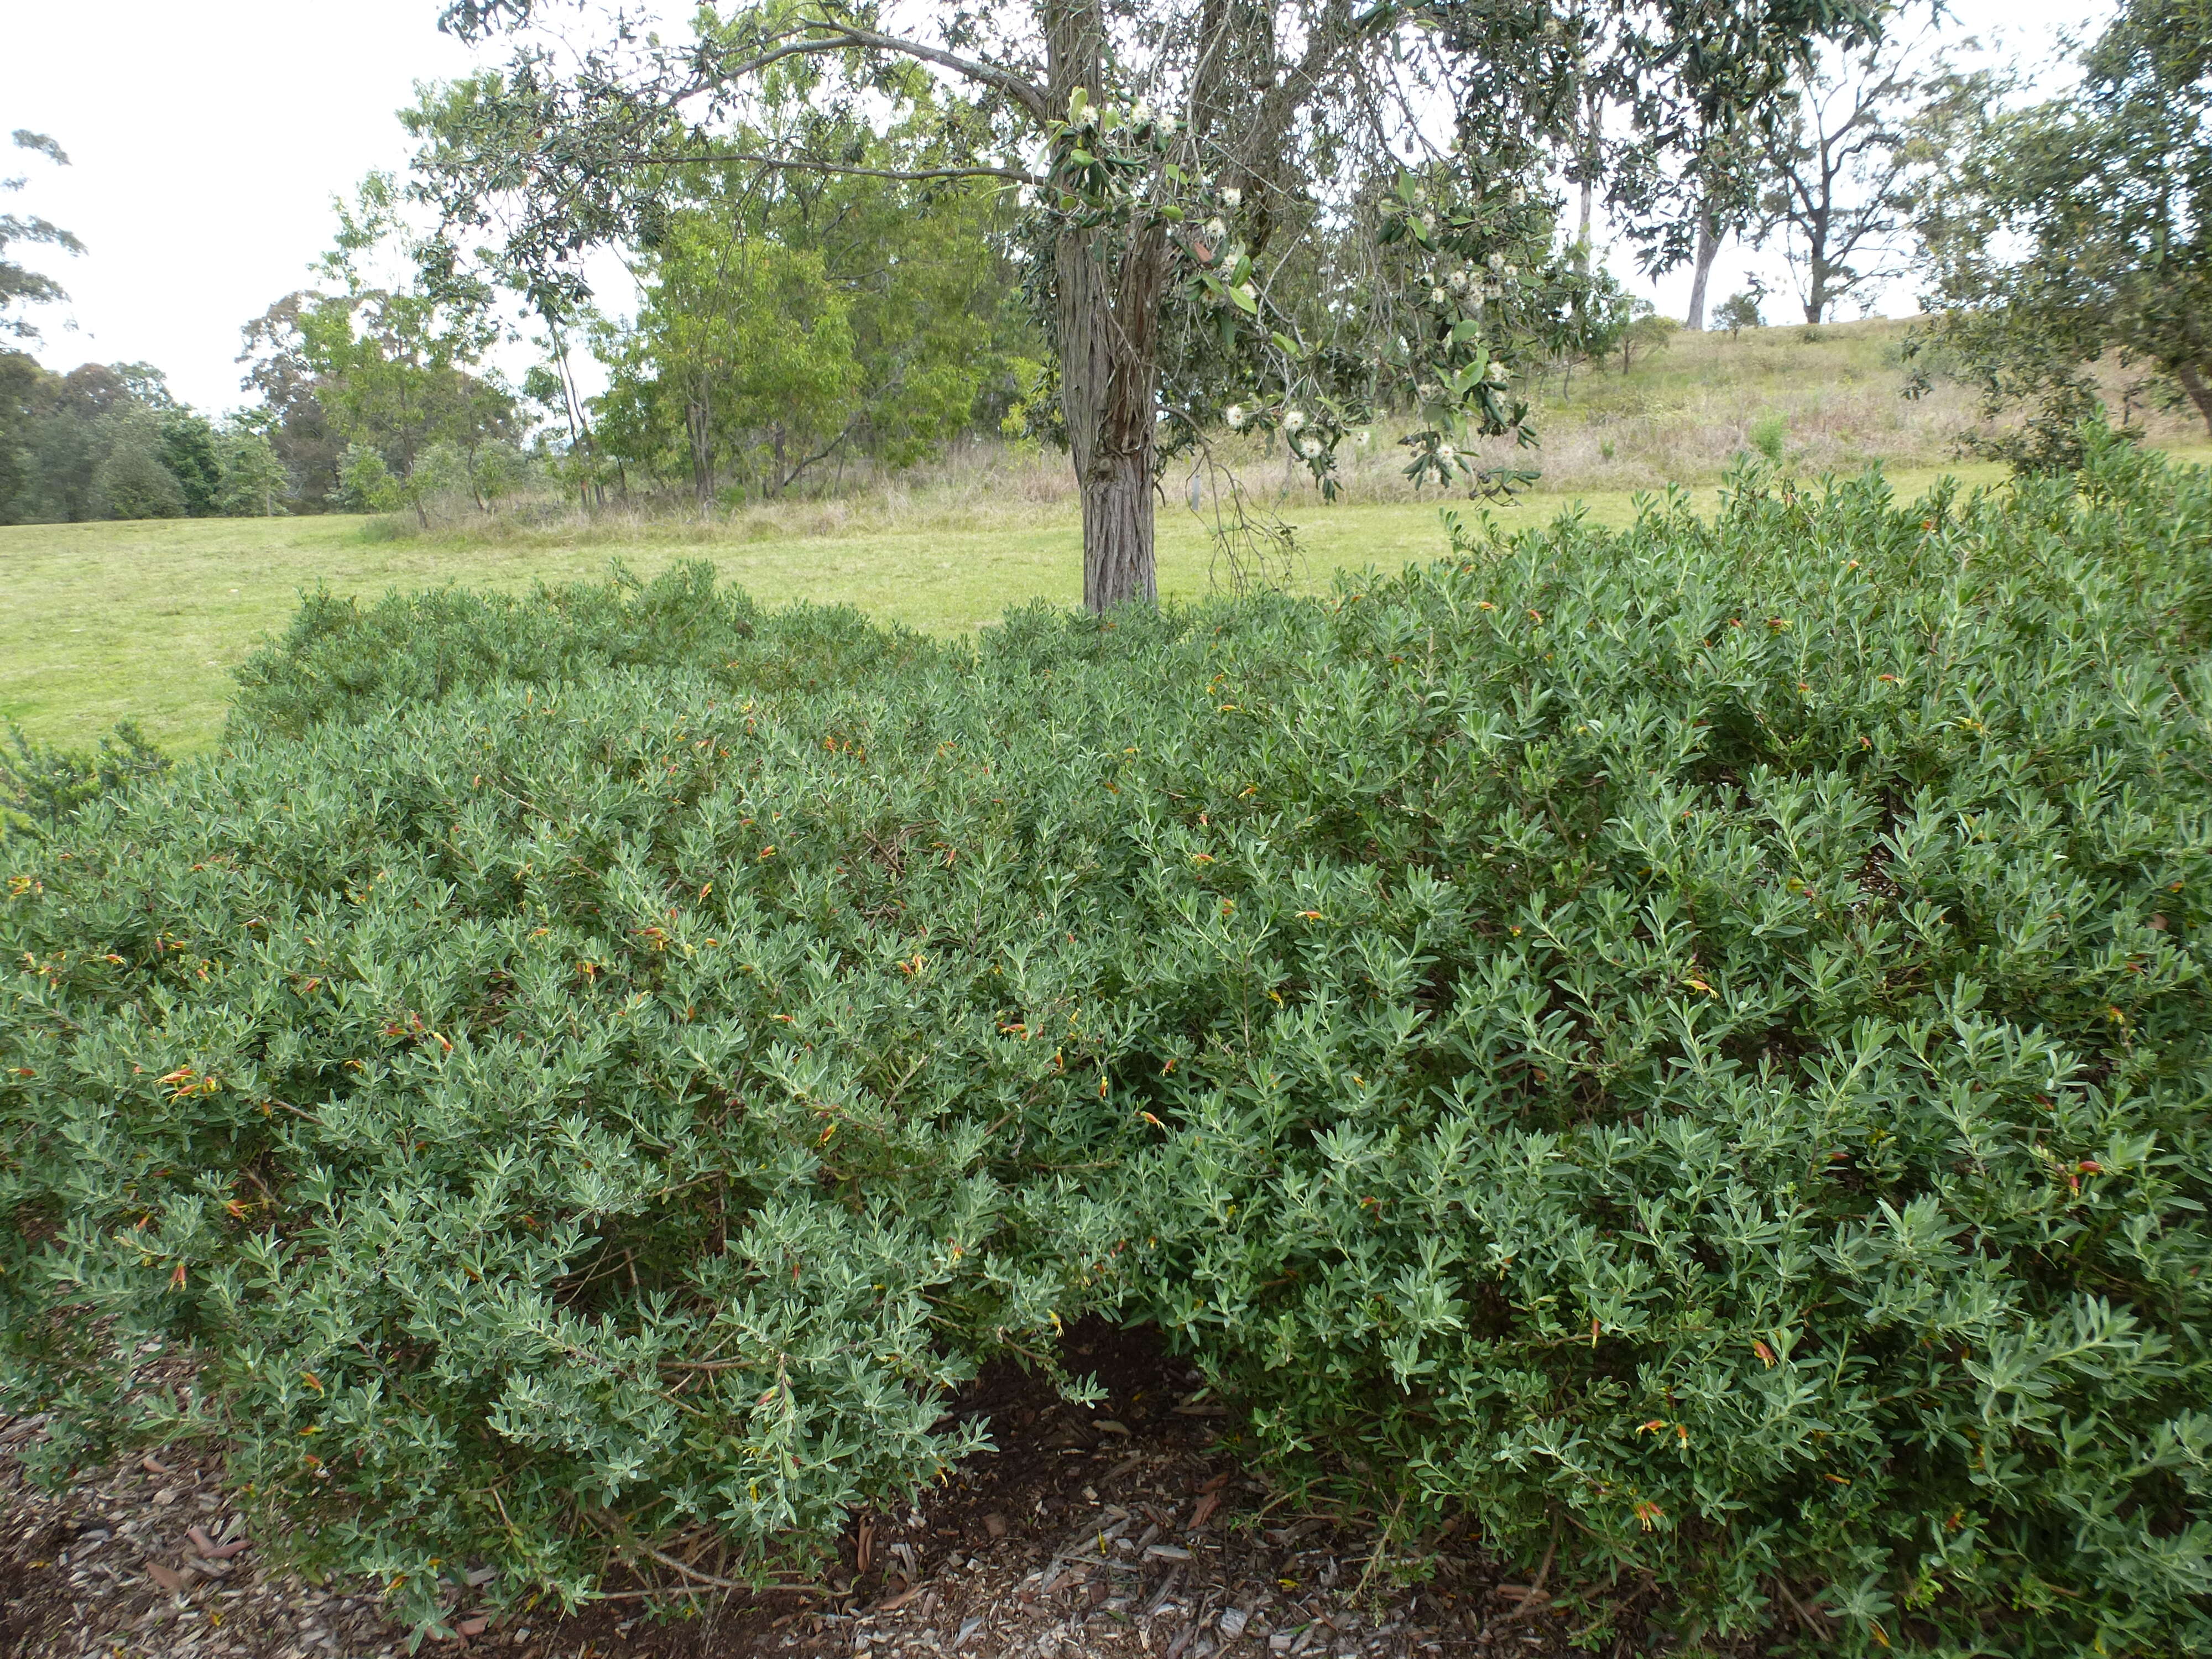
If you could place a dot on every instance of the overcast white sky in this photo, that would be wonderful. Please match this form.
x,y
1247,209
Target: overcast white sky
x,y
208,139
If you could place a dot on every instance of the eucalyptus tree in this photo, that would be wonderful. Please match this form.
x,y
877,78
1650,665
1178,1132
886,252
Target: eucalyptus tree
x,y
1839,173
1173,159
2076,227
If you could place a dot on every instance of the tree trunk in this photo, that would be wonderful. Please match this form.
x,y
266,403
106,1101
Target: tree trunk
x,y
1590,132
1108,379
1709,247
2199,393
702,455
1109,328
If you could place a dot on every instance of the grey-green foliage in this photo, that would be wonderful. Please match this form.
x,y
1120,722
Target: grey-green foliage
x,y
41,784
1689,1043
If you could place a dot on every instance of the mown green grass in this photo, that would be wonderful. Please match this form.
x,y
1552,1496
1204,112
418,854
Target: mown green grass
x,y
145,621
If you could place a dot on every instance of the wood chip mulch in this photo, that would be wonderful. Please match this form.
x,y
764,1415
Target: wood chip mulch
x,y
1125,1529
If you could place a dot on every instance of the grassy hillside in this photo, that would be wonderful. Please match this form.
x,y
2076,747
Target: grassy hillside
x,y
146,620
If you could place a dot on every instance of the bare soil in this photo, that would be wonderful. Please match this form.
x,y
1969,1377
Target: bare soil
x,y
1127,1529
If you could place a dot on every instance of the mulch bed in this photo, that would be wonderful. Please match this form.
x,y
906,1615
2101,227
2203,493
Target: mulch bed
x,y
1123,1529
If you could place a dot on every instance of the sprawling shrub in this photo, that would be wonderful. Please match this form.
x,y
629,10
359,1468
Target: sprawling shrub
x,y
1688,1044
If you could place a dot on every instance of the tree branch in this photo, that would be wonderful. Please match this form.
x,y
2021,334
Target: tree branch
x,y
800,164
990,75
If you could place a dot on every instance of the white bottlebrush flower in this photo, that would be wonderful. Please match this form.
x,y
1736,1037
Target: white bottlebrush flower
x,y
1496,373
1429,221
1458,281
1430,391
1516,195
1309,447
1491,291
1233,197
1216,229
1437,296
1446,453
1512,273
1362,439
1236,417
1498,261
1087,116
1141,112
1294,420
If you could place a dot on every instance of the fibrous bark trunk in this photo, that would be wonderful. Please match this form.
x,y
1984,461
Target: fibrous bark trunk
x,y
1109,381
1709,247
1108,327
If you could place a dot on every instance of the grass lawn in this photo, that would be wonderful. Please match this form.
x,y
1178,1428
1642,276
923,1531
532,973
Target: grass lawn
x,y
145,620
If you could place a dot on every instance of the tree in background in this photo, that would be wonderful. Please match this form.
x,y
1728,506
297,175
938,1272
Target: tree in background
x,y
21,286
130,480
397,368
2073,229
1175,156
294,421
111,442
1741,311
738,339
186,444
252,479
792,320
64,440
1838,174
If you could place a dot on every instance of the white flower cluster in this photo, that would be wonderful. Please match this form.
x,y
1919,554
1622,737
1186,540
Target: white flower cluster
x,y
1238,416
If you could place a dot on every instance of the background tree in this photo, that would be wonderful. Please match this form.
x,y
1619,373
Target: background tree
x,y
397,366
1174,152
130,481
1741,311
297,426
253,480
797,318
20,286
1839,173
2075,227
104,442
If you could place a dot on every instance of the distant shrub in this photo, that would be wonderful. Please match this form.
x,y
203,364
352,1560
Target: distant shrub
x,y
1767,434
1687,1044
